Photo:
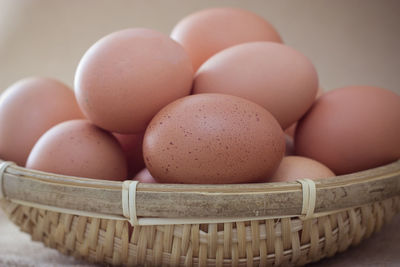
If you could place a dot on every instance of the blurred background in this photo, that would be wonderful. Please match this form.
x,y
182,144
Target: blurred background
x,y
349,41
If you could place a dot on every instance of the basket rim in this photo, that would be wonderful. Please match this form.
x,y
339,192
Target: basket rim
x,y
192,200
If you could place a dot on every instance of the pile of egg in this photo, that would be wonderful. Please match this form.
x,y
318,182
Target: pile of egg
x,y
220,100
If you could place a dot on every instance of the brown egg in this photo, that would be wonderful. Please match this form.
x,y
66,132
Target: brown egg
x,y
209,31
144,176
295,167
351,129
132,146
264,73
125,78
79,148
213,139
292,128
28,109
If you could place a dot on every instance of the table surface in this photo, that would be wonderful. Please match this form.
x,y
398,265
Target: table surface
x,y
16,249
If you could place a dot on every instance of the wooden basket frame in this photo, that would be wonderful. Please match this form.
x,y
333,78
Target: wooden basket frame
x,y
247,224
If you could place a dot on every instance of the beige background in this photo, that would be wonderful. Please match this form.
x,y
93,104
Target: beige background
x,y
349,41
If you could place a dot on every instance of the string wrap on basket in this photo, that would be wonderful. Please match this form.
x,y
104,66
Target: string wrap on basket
x,y
129,201
309,198
3,166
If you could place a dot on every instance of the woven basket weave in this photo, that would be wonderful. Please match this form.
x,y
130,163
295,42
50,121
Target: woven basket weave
x,y
209,225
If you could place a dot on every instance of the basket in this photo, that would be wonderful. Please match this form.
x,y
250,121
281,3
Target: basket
x,y
266,224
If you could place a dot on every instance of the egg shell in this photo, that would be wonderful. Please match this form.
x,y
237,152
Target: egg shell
x,y
28,108
293,168
79,148
351,129
125,78
144,176
209,31
132,146
213,139
273,75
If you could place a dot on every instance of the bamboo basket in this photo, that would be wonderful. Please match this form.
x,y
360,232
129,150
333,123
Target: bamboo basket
x,y
267,224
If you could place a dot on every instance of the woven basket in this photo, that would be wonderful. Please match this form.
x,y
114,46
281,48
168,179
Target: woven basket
x,y
288,224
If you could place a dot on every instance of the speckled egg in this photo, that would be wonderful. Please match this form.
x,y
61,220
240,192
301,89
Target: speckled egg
x,y
213,139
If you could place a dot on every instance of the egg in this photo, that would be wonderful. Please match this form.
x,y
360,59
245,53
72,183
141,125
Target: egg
x,y
79,148
144,176
293,168
125,78
265,73
351,129
212,139
132,146
209,31
28,108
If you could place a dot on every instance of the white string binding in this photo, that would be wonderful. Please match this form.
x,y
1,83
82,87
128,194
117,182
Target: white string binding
x,y
129,201
309,198
3,166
